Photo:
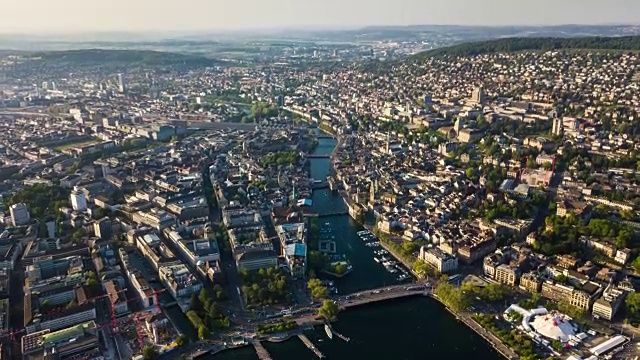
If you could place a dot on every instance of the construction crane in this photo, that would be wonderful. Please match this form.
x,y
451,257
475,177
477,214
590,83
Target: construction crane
x,y
112,309
12,333
155,299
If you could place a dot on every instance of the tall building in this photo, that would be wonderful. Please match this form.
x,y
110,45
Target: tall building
x,y
78,201
54,87
478,96
121,86
556,128
19,214
102,228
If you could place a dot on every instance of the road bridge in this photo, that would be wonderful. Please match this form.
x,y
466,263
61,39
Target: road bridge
x,y
334,213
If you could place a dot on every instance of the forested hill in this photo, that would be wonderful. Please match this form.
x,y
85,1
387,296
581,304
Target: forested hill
x,y
534,44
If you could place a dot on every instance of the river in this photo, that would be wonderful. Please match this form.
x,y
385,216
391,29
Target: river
x,y
415,328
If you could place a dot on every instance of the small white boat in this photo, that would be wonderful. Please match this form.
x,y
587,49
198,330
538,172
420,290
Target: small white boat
x,y
327,330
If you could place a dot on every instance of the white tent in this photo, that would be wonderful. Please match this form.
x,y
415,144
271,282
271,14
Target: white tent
x,y
554,326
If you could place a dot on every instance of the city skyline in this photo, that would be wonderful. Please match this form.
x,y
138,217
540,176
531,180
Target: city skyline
x,y
76,16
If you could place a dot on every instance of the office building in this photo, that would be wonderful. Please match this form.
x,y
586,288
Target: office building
x,y
19,214
121,85
78,200
102,228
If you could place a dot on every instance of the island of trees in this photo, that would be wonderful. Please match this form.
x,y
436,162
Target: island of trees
x,y
264,287
206,314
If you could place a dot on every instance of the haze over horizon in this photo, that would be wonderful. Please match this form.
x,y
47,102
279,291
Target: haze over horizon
x,y
78,16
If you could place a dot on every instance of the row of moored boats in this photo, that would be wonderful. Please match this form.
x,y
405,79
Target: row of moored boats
x,y
382,256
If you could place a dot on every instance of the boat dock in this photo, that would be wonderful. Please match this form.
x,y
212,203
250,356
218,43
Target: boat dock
x,y
263,354
310,345
338,334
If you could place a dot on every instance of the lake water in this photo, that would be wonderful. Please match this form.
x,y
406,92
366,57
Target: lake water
x,y
404,329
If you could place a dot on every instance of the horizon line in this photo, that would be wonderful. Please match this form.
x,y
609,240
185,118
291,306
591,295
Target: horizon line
x,y
311,28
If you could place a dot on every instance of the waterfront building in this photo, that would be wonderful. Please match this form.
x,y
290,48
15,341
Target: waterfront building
x,y
19,214
440,260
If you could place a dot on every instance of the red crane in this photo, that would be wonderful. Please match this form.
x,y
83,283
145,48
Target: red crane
x,y
12,333
139,330
155,299
112,309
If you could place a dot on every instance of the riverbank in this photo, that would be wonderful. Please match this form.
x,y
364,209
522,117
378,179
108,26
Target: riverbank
x,y
487,335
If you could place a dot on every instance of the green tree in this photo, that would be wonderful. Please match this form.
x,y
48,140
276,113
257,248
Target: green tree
x,y
204,296
194,303
182,340
203,332
632,302
328,310
149,352
318,291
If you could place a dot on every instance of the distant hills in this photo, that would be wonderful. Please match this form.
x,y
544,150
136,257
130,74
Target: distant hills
x,y
125,57
513,44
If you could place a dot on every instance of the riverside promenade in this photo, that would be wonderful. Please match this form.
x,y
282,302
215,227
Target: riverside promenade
x,y
487,335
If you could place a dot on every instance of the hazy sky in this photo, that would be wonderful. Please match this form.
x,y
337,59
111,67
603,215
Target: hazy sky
x,y
18,16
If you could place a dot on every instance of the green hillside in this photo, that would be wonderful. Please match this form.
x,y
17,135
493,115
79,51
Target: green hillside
x,y
533,44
